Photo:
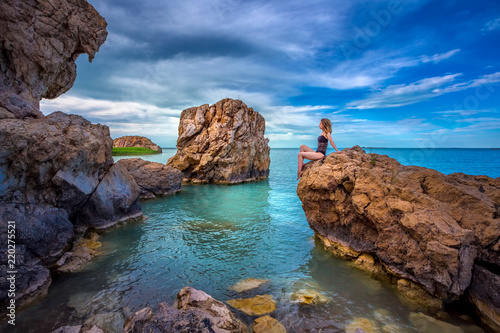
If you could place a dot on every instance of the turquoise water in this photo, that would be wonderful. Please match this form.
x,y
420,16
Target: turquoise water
x,y
212,236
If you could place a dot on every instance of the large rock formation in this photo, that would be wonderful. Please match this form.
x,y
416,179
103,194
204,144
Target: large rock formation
x,y
192,311
154,179
434,230
56,171
40,43
136,141
222,143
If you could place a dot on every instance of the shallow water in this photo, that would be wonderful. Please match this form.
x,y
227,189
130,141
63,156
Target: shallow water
x,y
210,237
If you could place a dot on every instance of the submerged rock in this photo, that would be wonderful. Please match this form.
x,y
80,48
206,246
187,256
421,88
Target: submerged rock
x,y
222,143
40,42
247,284
309,296
427,324
154,179
258,305
419,224
192,311
267,324
136,141
82,252
68,329
364,325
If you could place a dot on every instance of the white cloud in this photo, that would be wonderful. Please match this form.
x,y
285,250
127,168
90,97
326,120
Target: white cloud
x,y
425,89
403,94
491,25
439,57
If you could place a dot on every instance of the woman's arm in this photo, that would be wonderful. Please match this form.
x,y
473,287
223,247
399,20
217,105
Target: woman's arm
x,y
332,143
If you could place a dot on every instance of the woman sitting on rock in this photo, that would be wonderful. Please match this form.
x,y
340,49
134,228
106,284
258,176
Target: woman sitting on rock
x,y
308,153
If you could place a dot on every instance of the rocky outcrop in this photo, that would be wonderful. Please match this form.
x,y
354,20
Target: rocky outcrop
x,y
136,141
222,143
192,311
40,42
56,171
419,225
154,179
115,199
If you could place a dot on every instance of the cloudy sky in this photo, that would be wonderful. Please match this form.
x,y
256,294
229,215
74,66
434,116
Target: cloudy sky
x,y
409,73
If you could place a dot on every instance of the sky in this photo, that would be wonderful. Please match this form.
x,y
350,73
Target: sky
x,y
412,73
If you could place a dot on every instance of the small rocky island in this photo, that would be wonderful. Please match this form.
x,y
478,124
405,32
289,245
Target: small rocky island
x,y
136,141
437,236
223,143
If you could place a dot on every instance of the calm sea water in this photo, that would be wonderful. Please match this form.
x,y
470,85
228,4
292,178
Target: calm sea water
x,y
212,236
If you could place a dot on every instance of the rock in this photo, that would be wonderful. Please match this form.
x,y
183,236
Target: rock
x,y
363,324
193,311
222,143
136,141
68,329
268,324
115,199
308,296
40,43
368,263
57,160
258,305
418,295
110,322
419,224
82,252
154,179
32,282
94,329
427,324
247,284
484,293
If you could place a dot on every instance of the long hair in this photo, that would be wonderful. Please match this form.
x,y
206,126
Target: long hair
x,y
327,125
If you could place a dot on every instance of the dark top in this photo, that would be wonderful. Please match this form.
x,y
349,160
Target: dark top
x,y
322,144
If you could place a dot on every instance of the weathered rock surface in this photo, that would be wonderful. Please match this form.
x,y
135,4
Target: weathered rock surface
x,y
192,311
222,143
267,324
258,305
419,224
115,199
309,296
40,42
136,141
247,284
484,293
83,251
52,169
154,179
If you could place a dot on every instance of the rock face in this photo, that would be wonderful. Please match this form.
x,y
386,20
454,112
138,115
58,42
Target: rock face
x,y
419,225
192,311
136,141
40,42
55,171
154,179
222,143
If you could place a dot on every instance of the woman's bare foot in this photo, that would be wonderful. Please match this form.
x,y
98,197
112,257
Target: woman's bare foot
x,y
299,174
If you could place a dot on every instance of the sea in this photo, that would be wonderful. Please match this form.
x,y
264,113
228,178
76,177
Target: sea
x,y
211,236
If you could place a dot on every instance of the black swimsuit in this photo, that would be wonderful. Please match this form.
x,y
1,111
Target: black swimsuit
x,y
322,145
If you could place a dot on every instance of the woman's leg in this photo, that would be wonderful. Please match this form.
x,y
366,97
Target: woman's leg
x,y
310,155
305,148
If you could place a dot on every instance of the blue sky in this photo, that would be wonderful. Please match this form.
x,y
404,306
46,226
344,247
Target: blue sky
x,y
386,73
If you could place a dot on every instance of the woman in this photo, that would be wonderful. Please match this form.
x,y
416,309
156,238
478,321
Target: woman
x,y
305,152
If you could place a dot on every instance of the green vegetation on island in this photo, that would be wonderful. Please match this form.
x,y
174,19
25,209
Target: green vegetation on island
x,y
133,151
